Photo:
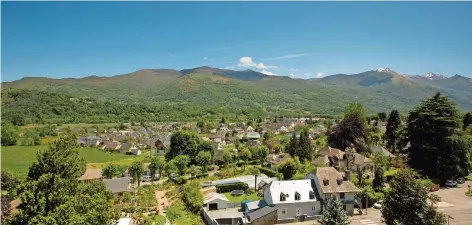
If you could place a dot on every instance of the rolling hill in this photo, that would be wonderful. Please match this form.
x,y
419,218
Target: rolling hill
x,y
207,91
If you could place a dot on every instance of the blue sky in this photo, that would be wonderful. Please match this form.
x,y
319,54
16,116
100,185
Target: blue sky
x,y
302,39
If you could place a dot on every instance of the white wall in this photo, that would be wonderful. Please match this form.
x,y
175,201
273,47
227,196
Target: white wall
x,y
306,208
222,204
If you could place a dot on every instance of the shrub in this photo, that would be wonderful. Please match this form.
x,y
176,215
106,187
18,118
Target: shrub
x,y
268,172
231,187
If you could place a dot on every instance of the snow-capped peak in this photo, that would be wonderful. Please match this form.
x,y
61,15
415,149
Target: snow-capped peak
x,y
434,76
385,70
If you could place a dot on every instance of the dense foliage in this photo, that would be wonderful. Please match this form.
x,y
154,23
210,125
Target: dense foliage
x,y
437,144
10,134
52,193
111,171
407,204
393,130
333,213
352,130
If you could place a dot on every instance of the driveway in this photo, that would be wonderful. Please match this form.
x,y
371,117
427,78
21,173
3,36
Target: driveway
x,y
456,204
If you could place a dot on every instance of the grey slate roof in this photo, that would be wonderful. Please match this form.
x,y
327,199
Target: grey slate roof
x,y
117,185
260,213
253,135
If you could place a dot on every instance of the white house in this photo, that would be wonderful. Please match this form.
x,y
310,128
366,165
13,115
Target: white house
x,y
292,198
215,201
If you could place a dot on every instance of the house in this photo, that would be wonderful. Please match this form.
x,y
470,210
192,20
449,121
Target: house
x,y
330,183
111,146
249,129
215,201
253,136
91,140
125,147
362,162
117,185
335,156
293,198
276,160
135,151
213,131
381,149
252,143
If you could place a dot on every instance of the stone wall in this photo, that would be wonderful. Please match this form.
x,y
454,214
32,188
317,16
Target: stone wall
x,y
268,219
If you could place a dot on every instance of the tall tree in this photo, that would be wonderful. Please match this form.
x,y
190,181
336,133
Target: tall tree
x,y
183,143
304,150
52,194
407,202
333,213
351,130
393,131
192,197
288,169
136,171
467,121
111,170
379,179
246,156
223,120
261,154
10,134
181,162
204,160
157,165
293,145
227,158
433,131
382,116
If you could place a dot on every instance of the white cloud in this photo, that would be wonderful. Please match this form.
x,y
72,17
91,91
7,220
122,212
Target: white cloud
x,y
320,75
288,56
206,58
292,75
248,62
294,69
229,67
267,72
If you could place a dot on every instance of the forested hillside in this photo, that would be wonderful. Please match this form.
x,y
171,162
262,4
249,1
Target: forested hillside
x,y
208,92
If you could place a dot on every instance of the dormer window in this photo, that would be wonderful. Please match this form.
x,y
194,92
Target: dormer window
x,y
282,197
297,196
340,181
325,182
312,195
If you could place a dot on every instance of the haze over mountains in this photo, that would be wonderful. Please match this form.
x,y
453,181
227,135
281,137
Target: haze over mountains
x,y
379,90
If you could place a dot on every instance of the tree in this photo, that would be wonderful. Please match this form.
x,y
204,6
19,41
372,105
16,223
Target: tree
x,y
223,120
171,168
183,143
192,197
433,131
392,132
193,170
204,160
379,178
333,213
382,116
246,156
206,146
288,169
10,134
467,121
6,207
304,150
267,136
111,170
261,154
181,163
293,145
52,194
136,171
157,164
256,172
380,160
407,204
31,138
227,158
351,130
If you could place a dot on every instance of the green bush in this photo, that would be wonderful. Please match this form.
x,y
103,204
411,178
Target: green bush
x,y
231,187
268,172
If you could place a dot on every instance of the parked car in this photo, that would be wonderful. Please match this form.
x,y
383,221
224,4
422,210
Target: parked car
x,y
378,204
451,183
460,180
434,188
147,178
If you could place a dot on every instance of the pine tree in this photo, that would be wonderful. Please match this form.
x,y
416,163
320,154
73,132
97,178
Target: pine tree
x,y
293,145
393,130
432,130
304,150
333,213
379,179
467,120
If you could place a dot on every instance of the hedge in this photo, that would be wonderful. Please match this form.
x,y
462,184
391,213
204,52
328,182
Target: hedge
x,y
268,172
231,187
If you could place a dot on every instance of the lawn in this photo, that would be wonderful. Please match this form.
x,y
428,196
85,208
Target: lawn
x,y
17,159
240,198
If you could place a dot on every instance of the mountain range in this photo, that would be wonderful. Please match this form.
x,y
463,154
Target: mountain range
x,y
228,90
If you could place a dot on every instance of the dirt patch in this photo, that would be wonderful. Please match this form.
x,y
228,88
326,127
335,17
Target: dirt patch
x,y
162,201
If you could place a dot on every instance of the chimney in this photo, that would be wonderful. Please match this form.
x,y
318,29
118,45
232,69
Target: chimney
x,y
347,175
339,181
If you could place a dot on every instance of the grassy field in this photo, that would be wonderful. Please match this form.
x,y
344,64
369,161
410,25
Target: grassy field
x,y
240,198
390,172
17,159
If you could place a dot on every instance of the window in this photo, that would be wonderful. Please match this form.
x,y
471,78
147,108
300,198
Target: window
x,y
282,197
312,195
283,211
313,208
297,196
341,195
